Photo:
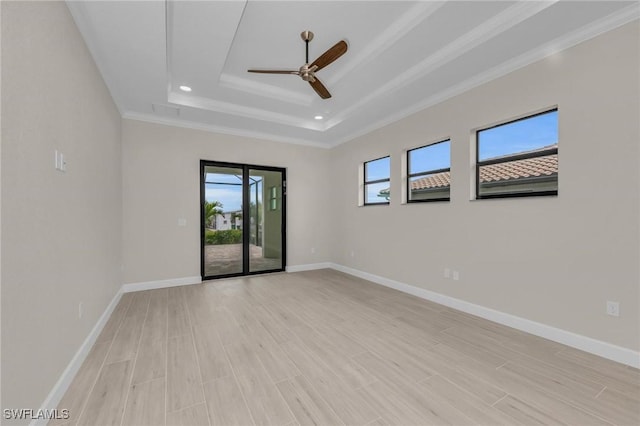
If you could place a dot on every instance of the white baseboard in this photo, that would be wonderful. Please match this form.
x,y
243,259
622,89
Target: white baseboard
x,y
308,267
61,386
597,347
151,285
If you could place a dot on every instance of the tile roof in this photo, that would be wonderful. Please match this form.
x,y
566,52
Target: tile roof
x,y
530,167
519,169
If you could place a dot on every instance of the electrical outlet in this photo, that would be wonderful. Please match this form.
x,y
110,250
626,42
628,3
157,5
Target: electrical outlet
x,y
182,221
456,275
447,272
313,250
613,308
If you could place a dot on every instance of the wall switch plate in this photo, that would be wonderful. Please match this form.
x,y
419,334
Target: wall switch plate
x,y
613,308
182,221
80,310
60,162
447,272
456,275
313,250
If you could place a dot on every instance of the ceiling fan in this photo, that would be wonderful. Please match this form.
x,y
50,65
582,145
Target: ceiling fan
x,y
308,71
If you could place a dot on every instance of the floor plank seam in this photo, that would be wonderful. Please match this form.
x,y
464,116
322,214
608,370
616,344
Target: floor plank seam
x,y
104,361
195,350
600,393
135,360
235,378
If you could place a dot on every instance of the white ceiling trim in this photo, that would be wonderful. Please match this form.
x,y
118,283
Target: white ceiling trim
x,y
477,36
402,26
175,122
266,90
578,36
81,20
244,111
386,39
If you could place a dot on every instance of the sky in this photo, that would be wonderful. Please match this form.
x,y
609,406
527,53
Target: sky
x,y
229,195
519,136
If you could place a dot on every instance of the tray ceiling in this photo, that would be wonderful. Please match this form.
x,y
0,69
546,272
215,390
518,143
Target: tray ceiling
x,y
403,56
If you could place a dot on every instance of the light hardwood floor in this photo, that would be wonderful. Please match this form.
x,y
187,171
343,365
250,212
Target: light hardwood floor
x,y
322,347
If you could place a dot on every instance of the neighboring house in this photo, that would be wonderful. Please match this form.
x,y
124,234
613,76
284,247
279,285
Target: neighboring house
x,y
228,220
531,174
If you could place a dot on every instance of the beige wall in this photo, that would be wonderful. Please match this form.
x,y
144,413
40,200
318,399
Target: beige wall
x,y
65,235
60,231
161,172
554,260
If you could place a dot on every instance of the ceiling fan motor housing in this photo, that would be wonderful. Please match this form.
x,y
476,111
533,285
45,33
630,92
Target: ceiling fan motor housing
x,y
307,72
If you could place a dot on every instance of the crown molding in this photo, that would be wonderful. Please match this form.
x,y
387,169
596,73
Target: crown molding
x,y
387,38
76,8
474,38
265,90
241,110
186,124
576,37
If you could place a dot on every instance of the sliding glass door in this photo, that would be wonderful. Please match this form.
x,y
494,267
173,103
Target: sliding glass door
x,y
242,219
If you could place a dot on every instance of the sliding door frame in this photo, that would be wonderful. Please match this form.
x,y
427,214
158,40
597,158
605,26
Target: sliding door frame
x,y
246,217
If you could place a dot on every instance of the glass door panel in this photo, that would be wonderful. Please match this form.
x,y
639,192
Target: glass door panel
x,y
266,219
223,221
242,219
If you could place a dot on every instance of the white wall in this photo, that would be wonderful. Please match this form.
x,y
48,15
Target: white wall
x,y
161,172
60,231
554,260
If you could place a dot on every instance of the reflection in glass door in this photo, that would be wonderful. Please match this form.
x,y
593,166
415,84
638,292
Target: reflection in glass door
x,y
266,220
243,219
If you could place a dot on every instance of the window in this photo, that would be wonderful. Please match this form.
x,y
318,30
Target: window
x,y
518,158
377,179
428,172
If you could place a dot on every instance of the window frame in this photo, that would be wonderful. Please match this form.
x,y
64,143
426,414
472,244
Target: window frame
x,y
366,182
428,172
509,158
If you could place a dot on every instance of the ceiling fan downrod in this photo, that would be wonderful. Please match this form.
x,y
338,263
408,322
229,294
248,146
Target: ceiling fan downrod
x,y
307,36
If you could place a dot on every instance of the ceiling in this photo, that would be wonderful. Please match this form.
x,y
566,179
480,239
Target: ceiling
x,y
403,57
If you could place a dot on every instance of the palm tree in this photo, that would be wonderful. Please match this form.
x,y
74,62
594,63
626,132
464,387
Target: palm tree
x,y
211,210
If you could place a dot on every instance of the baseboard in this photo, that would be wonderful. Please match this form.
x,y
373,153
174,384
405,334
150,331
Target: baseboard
x,y
61,386
308,267
151,285
597,347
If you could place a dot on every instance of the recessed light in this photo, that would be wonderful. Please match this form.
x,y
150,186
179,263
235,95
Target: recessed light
x,y
318,117
185,88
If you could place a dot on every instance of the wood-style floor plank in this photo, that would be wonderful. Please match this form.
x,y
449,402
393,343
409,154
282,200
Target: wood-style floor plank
x,y
82,384
145,404
323,347
184,384
105,405
226,403
190,416
305,402
211,356
151,360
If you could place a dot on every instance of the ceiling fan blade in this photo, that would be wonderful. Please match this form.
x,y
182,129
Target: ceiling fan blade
x,y
338,49
320,89
294,72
